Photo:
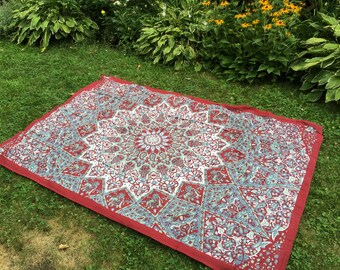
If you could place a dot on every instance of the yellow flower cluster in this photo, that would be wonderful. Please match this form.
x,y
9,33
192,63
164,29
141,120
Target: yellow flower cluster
x,y
265,13
271,12
224,3
240,16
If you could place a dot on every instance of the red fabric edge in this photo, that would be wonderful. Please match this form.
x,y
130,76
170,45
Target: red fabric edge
x,y
174,244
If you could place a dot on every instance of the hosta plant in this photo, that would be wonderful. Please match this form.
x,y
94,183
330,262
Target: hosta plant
x,y
39,20
321,62
174,36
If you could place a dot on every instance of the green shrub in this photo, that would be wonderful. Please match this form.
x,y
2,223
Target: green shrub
x,y
251,41
124,25
6,9
321,61
98,11
39,20
174,36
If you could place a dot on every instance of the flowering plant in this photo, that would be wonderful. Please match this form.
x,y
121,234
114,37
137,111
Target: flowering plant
x,y
251,41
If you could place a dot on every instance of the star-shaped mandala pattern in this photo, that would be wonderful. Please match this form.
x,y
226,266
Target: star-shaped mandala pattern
x,y
219,180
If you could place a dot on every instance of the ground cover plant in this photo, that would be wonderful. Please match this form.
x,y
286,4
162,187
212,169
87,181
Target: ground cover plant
x,y
35,221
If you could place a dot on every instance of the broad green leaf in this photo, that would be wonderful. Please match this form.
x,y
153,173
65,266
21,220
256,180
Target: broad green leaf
x,y
322,77
34,21
327,62
328,19
337,94
94,25
80,28
65,28
331,46
283,60
34,36
306,84
161,42
55,27
315,95
337,32
314,40
44,24
22,36
170,57
58,35
46,39
277,72
178,50
148,31
263,67
270,70
88,21
171,42
330,95
156,60
79,36
333,83
70,23
303,65
166,50
190,52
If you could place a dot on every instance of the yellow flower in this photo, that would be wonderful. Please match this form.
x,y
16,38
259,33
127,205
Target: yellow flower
x,y
245,25
284,10
240,16
280,23
268,26
219,22
103,12
263,2
206,3
256,21
288,34
295,9
224,3
276,14
267,7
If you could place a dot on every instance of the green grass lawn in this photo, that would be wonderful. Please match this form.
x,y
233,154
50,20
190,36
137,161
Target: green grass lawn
x,y
35,221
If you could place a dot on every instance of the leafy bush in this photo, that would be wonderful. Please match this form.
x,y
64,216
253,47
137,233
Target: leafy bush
x,y
124,25
321,61
6,8
39,20
251,41
174,36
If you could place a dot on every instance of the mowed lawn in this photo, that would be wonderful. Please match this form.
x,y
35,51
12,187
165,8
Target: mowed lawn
x,y
35,221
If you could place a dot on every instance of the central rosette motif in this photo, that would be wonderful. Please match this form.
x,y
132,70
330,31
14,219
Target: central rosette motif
x,y
154,140
158,147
